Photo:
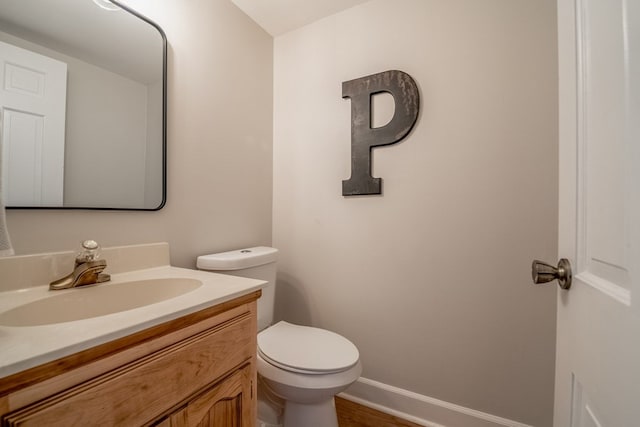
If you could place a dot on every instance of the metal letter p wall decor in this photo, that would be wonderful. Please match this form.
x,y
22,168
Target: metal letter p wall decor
x,y
363,137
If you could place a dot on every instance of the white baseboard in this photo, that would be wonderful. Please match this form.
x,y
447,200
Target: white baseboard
x,y
419,409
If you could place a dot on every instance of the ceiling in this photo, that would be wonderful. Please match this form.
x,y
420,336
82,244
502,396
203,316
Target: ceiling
x,y
116,41
280,16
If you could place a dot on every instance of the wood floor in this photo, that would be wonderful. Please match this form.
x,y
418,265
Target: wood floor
x,y
351,414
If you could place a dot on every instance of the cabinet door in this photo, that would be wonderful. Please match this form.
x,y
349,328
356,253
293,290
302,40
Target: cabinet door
x,y
226,404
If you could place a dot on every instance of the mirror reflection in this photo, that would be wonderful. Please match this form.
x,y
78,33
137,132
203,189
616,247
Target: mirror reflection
x,y
82,106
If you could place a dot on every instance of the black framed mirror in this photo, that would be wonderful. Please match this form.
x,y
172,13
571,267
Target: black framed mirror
x,y
82,106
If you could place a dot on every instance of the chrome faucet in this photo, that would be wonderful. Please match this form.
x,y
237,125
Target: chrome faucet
x,y
87,270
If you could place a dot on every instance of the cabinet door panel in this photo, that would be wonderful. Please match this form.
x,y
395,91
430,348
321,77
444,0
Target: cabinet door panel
x,y
226,404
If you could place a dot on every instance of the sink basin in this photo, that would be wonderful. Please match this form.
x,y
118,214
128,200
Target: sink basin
x,y
98,300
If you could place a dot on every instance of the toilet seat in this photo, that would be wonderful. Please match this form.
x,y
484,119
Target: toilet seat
x,y
306,350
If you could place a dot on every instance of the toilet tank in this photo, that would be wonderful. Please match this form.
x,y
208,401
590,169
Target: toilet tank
x,y
255,263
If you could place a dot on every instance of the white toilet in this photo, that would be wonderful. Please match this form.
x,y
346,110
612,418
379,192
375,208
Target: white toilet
x,y
300,368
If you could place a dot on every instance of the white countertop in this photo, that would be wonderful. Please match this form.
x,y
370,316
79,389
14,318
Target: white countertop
x,y
24,347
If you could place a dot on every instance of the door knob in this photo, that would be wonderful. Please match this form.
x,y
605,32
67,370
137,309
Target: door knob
x,y
541,272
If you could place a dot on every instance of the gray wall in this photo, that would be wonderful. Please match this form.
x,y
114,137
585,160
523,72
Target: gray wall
x,y
103,158
219,143
153,154
431,280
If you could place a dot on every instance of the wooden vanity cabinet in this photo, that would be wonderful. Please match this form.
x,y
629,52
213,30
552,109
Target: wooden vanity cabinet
x,y
198,370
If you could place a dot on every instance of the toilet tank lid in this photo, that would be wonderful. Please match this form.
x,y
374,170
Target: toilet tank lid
x,y
238,259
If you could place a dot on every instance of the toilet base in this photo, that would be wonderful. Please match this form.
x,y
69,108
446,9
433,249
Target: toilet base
x,y
270,407
308,398
319,414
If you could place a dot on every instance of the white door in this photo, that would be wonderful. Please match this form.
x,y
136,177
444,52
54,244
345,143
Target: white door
x,y
33,91
598,340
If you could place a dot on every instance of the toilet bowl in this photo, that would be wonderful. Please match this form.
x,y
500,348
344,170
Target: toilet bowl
x,y
306,367
300,368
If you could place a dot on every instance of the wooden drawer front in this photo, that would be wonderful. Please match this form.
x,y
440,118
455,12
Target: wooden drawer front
x,y
140,391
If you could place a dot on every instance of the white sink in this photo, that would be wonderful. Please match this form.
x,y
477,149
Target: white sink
x,y
96,300
38,326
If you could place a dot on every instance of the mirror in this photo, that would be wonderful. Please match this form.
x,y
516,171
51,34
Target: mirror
x,y
82,106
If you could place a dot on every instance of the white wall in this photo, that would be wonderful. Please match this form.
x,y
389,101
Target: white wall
x,y
219,145
431,280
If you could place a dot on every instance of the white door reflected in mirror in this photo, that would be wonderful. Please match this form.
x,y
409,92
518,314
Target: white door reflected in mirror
x,y
32,118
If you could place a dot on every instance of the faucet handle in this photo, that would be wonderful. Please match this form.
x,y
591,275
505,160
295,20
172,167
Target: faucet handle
x,y
90,245
90,251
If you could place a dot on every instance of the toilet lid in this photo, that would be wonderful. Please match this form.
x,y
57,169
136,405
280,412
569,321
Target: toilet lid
x,y
305,349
